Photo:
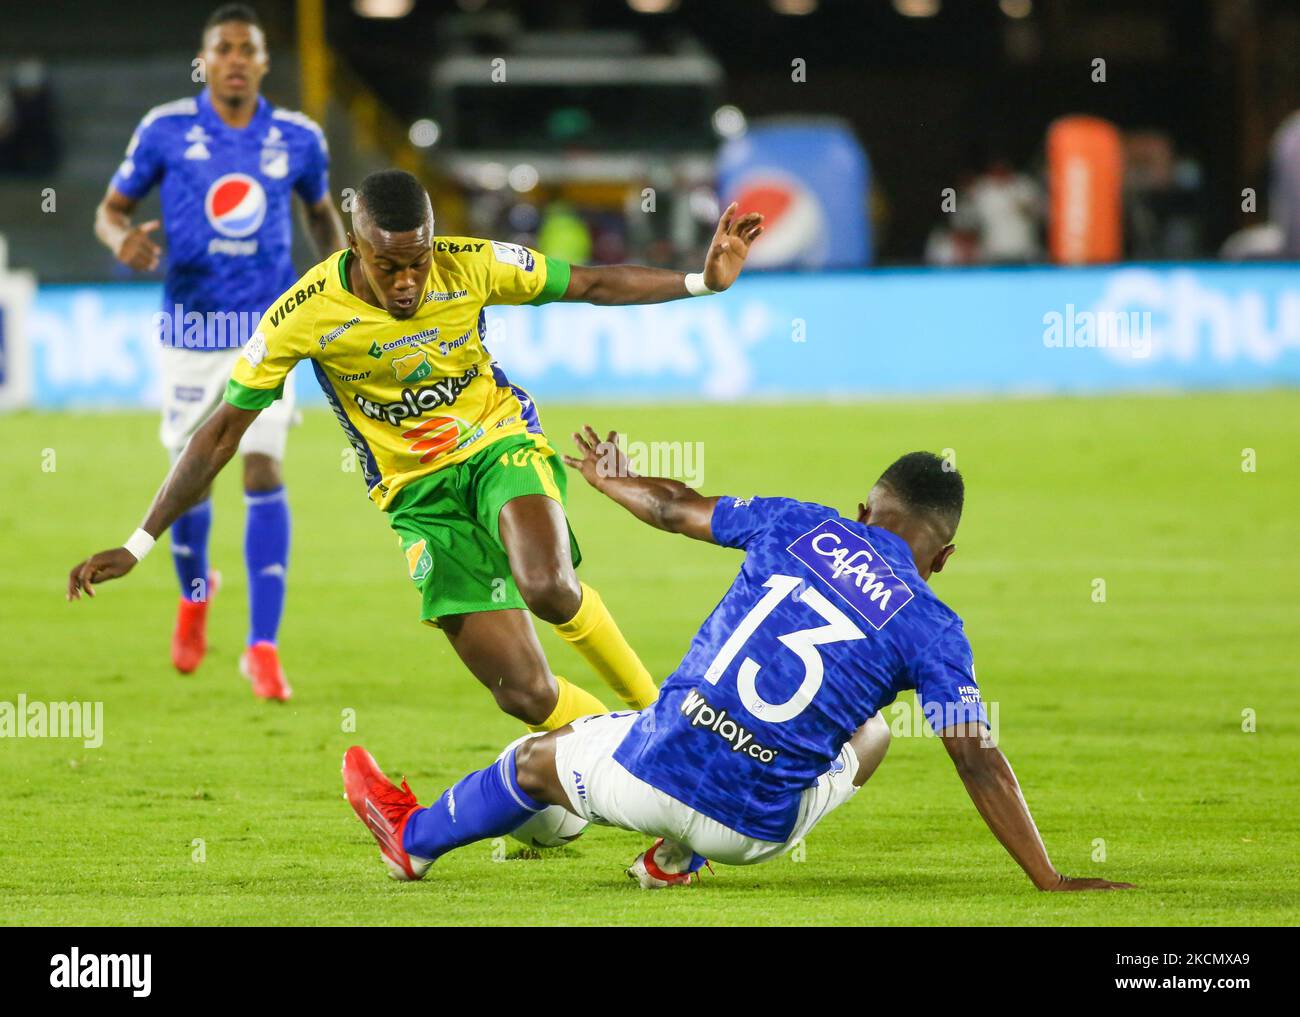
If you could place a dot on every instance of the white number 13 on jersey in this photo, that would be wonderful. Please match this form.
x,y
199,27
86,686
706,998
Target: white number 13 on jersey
x,y
802,644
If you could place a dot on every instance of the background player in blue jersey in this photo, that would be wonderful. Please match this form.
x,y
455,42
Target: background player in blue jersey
x,y
228,164
772,718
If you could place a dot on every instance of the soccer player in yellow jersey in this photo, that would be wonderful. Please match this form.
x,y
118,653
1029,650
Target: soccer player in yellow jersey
x,y
451,450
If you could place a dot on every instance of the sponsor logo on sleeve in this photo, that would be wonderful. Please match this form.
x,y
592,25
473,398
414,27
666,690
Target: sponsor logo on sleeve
x,y
255,349
292,301
451,247
855,570
514,254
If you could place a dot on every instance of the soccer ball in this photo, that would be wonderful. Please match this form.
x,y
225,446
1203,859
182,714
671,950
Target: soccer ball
x,y
552,827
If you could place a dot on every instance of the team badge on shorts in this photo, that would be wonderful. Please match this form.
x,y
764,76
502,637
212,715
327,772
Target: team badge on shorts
x,y
419,561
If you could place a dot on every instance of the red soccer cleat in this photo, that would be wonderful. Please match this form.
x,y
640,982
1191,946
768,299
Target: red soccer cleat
x,y
260,664
384,808
190,637
665,864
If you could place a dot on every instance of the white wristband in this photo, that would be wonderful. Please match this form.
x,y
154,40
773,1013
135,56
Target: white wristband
x,y
695,285
139,544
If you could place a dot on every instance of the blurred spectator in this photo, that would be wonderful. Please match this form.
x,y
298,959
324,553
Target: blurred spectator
x,y
564,235
1161,199
28,142
1284,189
1006,214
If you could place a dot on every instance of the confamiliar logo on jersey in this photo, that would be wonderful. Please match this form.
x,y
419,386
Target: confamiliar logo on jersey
x,y
235,205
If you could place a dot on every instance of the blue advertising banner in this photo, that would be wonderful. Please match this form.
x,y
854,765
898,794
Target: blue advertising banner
x,y
891,333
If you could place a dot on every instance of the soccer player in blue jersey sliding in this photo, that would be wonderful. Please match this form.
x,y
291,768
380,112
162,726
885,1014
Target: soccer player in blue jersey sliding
x,y
772,718
228,164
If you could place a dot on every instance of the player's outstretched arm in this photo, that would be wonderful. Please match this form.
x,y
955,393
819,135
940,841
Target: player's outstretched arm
x,y
993,788
636,284
208,451
664,504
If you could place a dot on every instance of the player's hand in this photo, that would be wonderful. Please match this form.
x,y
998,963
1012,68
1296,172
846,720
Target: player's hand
x,y
1066,884
136,250
729,247
598,460
105,565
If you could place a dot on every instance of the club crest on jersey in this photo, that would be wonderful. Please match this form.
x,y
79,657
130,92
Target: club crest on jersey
x,y
275,155
855,570
413,367
235,205
418,561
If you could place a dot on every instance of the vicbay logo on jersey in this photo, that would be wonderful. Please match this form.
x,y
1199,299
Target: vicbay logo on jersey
x,y
75,970
296,299
855,570
235,205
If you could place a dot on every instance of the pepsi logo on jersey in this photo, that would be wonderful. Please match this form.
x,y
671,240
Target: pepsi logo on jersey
x,y
236,207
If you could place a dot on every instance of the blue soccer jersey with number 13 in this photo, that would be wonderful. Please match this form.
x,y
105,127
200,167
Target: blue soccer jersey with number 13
x,y
826,623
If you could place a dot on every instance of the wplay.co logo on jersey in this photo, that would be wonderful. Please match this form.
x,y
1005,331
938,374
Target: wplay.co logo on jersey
x,y
235,205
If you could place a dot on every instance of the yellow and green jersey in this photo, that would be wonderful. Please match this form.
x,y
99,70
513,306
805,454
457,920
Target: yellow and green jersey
x,y
413,396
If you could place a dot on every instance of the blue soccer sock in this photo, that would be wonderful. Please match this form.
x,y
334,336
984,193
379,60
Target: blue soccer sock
x,y
190,550
487,803
266,553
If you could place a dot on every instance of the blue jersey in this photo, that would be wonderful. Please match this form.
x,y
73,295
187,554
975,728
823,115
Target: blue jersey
x,y
226,210
826,623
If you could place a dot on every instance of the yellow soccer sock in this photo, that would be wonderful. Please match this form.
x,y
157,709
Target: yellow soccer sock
x,y
572,703
594,633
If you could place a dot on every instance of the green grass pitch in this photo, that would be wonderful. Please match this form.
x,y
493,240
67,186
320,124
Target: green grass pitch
x,y
1123,719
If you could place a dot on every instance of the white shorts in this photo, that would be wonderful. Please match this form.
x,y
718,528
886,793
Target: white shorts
x,y
193,384
602,791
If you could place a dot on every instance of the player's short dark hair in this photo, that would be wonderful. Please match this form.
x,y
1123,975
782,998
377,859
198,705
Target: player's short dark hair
x,y
929,484
232,12
395,200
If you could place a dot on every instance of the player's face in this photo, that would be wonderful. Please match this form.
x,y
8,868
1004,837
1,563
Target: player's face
x,y
235,59
396,266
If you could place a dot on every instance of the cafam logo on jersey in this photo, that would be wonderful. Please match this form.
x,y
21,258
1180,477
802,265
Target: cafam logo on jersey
x,y
235,206
855,570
